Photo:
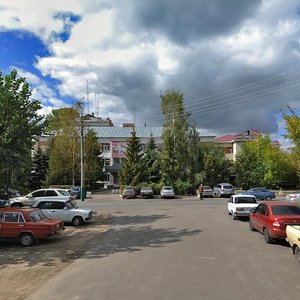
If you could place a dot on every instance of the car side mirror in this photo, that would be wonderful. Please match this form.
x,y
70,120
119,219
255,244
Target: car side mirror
x,y
253,210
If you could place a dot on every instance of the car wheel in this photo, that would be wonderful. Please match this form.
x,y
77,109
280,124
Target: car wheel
x,y
77,221
17,205
26,239
251,226
297,254
267,237
268,198
229,212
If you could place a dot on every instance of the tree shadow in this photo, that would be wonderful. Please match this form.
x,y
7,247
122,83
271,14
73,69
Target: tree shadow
x,y
92,242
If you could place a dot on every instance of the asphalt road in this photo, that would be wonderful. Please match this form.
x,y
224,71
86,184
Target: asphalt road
x,y
176,249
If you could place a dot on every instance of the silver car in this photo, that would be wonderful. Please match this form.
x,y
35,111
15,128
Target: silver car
x,y
224,190
64,210
128,192
167,192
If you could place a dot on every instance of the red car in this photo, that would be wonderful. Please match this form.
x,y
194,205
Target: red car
x,y
271,218
27,225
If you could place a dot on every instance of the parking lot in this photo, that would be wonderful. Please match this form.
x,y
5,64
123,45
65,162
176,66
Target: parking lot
x,y
152,248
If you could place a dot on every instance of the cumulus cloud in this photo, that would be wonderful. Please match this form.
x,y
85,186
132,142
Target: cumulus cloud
x,y
235,61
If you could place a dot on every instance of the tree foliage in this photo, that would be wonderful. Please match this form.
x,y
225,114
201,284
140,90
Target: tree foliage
x,y
64,146
39,168
260,163
19,126
92,162
179,154
131,173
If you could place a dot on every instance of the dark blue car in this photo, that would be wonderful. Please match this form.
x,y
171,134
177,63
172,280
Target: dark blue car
x,y
260,193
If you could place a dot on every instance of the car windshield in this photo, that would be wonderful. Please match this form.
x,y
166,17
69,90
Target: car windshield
x,y
70,205
286,210
146,188
227,187
168,188
37,215
75,189
64,192
245,200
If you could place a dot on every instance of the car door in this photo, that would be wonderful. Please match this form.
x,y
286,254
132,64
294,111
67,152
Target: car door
x,y
32,197
230,205
262,217
12,224
59,210
255,216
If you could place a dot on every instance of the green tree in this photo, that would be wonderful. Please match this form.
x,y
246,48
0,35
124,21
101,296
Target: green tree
x,y
180,158
20,124
150,162
39,168
92,160
64,146
260,163
292,126
131,173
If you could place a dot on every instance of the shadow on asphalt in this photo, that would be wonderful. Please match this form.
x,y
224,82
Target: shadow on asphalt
x,y
93,242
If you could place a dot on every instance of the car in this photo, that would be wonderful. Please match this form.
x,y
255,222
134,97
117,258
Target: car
x,y
30,198
75,191
167,192
260,193
64,210
3,203
27,225
292,197
241,205
207,191
293,237
223,190
147,192
271,218
128,192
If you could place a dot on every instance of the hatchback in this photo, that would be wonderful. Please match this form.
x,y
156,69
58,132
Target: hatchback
x,y
147,192
224,190
128,192
167,192
271,219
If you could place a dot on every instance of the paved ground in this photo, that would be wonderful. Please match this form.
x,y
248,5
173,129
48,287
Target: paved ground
x,y
175,249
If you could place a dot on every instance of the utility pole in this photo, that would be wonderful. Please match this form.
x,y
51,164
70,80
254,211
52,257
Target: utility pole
x,y
80,105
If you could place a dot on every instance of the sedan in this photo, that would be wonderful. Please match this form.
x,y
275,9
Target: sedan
x,y
260,193
167,192
271,219
128,192
147,192
207,191
27,225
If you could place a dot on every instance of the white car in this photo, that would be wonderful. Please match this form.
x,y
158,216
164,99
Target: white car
x,y
241,205
291,197
30,198
167,192
64,210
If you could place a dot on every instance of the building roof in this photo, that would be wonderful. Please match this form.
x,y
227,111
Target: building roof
x,y
125,132
248,135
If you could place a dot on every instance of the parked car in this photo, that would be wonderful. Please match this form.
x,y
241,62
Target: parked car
x,y
224,190
64,210
260,193
76,192
241,205
30,198
293,237
147,192
27,225
128,192
292,197
207,191
167,192
271,219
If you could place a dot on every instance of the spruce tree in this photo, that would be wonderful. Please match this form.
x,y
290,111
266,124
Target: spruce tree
x,y
131,173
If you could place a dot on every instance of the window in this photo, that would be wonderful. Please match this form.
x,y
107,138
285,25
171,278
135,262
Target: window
x,y
264,210
228,150
12,217
58,205
38,193
44,205
286,210
106,162
50,193
105,147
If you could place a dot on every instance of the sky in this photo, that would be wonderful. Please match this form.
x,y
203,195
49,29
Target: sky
x,y
235,61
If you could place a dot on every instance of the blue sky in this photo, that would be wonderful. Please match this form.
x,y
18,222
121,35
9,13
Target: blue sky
x,y
237,63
